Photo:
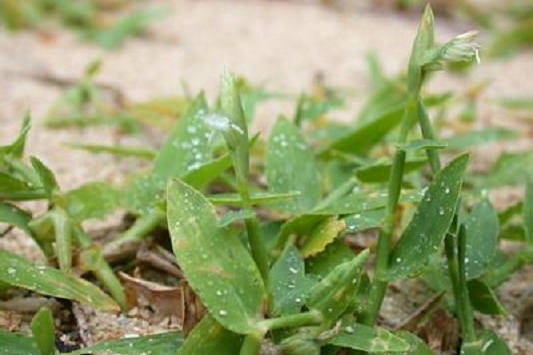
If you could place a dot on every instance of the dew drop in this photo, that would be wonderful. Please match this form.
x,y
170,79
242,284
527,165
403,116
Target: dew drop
x,y
349,329
223,313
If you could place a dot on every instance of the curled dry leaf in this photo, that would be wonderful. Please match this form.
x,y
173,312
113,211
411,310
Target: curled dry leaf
x,y
164,301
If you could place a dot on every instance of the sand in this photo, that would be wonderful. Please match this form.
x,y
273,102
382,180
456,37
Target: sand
x,y
281,44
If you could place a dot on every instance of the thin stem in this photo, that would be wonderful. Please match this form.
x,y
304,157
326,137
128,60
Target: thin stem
x,y
251,345
295,320
460,290
258,249
427,132
469,333
379,287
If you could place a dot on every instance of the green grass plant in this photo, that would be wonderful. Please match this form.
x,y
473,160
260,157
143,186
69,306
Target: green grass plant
x,y
266,231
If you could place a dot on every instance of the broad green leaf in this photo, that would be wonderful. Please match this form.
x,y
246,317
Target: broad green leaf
x,y
361,140
17,271
474,138
118,150
527,212
42,329
217,265
186,147
158,344
289,287
92,200
290,166
209,337
483,299
15,216
422,144
424,233
379,171
335,254
322,235
17,344
255,198
372,340
482,229
334,293
48,180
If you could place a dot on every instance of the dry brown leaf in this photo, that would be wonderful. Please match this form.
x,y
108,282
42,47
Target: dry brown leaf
x,y
163,301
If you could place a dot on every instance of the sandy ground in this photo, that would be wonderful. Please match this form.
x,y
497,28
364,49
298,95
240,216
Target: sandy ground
x,y
280,44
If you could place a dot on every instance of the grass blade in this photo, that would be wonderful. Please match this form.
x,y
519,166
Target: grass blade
x,y
42,328
159,344
17,271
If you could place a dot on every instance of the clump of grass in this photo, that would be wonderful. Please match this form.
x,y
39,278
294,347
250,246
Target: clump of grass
x,y
279,264
93,20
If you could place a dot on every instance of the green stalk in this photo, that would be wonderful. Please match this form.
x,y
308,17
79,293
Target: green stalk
x,y
379,287
455,250
294,320
236,136
259,252
251,344
469,333
415,76
427,132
